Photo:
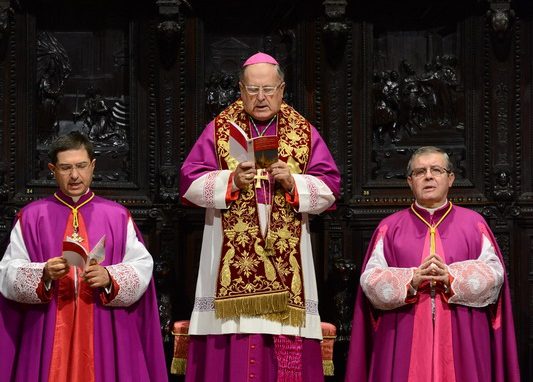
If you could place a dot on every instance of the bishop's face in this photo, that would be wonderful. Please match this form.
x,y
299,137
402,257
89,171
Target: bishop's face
x,y
428,182
256,78
73,171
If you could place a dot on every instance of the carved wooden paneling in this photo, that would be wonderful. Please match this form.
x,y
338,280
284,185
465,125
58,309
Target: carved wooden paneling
x,y
142,79
526,111
418,89
81,74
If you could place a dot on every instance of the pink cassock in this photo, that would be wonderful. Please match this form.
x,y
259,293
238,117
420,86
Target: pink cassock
x,y
472,344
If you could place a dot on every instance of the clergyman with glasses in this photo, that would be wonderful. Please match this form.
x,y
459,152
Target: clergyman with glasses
x,y
65,317
433,302
255,315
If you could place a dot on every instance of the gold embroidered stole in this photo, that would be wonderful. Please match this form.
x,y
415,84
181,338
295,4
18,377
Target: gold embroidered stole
x,y
253,281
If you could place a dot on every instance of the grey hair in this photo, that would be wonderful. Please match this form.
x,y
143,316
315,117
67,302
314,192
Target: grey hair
x,y
281,74
429,150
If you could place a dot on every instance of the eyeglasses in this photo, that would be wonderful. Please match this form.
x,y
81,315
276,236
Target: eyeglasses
x,y
435,171
267,90
66,169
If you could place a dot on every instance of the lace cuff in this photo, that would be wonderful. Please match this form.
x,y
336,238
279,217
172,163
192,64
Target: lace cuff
x,y
386,288
129,285
24,288
474,283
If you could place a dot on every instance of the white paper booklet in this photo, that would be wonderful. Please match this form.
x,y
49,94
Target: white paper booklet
x,y
76,254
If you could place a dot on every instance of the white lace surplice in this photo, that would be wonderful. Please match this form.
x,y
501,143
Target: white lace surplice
x,y
476,283
19,277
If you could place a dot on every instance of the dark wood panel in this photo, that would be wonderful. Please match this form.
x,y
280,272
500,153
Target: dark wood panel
x,y
378,79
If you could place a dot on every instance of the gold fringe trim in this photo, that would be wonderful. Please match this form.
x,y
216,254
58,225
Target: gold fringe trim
x,y
328,367
292,316
178,366
254,305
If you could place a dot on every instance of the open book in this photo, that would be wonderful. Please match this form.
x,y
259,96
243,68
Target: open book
x,y
78,256
263,151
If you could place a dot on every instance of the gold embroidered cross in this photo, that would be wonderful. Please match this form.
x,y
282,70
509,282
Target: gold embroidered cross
x,y
261,175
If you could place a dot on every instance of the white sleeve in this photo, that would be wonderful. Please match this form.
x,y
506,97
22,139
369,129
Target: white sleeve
x,y
209,190
134,273
19,277
314,195
385,287
477,283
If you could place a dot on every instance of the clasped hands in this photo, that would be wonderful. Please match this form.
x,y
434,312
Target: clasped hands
x,y
245,172
432,269
95,275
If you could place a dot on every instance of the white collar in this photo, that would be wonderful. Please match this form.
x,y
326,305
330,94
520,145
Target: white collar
x,y
431,210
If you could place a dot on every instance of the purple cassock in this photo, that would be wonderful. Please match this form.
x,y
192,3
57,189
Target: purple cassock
x,y
244,349
127,340
202,159
462,343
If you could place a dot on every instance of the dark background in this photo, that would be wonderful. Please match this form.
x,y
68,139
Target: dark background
x,y
377,78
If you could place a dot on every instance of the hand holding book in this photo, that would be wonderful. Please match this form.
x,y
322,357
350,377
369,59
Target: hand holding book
x,y
55,268
257,153
77,255
262,151
281,174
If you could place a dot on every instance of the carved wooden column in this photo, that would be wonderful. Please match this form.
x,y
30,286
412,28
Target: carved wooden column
x,y
334,86
337,130
170,89
501,102
505,137
7,126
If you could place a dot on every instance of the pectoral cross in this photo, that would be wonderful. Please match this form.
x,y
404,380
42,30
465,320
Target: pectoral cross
x,y
75,223
75,237
261,175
